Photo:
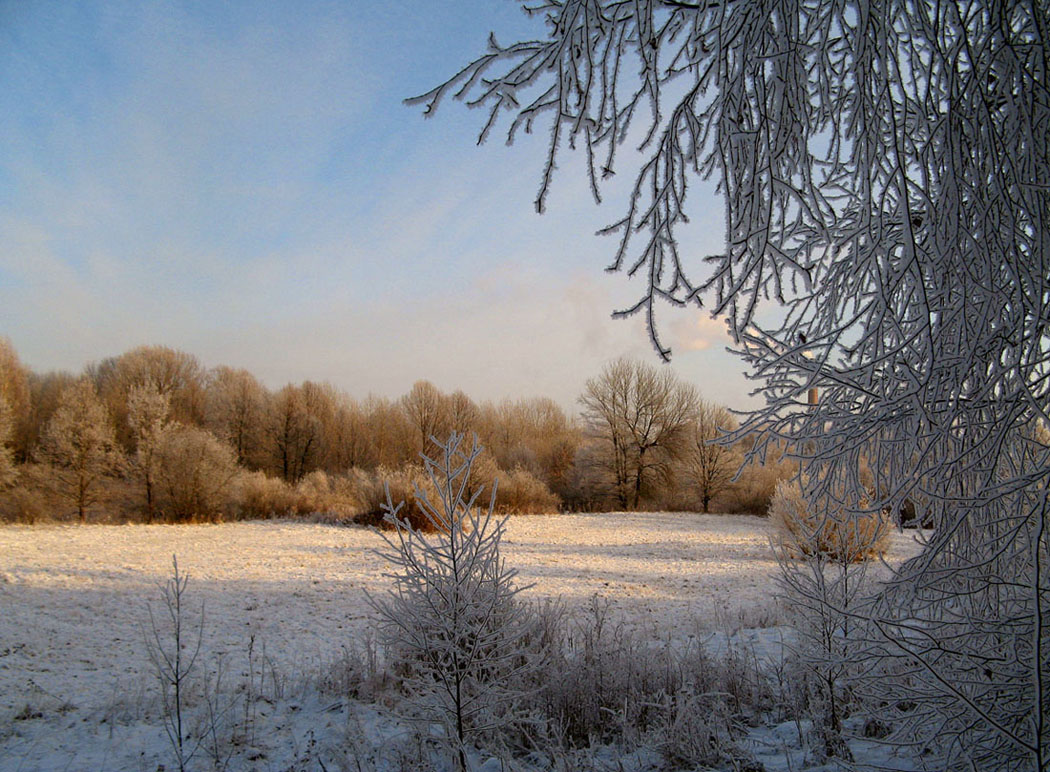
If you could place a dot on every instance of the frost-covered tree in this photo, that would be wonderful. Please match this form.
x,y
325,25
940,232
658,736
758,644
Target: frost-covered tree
x,y
883,166
14,390
235,410
173,372
194,473
79,447
149,411
453,615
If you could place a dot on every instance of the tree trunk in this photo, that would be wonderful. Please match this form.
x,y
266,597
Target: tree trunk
x,y
638,478
82,499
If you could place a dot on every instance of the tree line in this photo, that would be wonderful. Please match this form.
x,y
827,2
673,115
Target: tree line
x,y
152,434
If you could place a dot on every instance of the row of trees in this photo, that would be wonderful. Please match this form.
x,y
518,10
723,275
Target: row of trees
x,y
179,434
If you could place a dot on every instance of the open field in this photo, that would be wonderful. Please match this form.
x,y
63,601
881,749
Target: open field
x,y
73,600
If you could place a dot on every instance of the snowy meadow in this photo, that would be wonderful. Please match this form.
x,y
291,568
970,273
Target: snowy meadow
x,y
289,675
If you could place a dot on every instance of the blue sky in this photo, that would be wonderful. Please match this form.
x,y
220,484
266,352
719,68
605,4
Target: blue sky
x,y
242,181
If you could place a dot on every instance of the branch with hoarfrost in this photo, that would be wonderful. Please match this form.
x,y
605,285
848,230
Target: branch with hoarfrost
x,y
453,616
884,167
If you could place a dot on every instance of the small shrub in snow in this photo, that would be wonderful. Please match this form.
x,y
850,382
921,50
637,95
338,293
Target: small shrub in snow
x,y
825,546
26,502
173,643
404,485
755,486
604,685
453,616
327,496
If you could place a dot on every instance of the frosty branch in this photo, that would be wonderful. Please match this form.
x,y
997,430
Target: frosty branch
x,y
883,166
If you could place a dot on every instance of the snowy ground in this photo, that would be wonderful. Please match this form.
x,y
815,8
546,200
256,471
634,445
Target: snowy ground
x,y
73,613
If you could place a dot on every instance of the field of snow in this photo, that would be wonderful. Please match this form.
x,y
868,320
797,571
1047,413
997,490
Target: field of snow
x,y
74,599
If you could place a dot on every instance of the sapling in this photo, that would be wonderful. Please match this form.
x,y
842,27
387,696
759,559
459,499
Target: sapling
x,y
173,653
453,615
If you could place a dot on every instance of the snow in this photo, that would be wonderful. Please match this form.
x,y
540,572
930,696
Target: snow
x,y
73,615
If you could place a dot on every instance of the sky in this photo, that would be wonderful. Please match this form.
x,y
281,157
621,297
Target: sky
x,y
243,181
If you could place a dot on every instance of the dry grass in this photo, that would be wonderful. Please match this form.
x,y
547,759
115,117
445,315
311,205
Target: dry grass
x,y
827,527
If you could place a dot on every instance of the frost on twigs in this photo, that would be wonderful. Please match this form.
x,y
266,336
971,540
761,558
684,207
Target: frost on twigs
x,y
884,167
452,619
824,541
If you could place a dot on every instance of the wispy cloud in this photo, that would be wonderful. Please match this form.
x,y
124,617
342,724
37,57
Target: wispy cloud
x,y
698,331
245,184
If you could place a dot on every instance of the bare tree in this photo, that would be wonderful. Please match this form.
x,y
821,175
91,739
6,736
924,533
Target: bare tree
x,y
531,433
463,413
295,434
711,463
8,472
427,411
884,170
148,417
235,410
79,447
14,391
347,435
641,415
390,433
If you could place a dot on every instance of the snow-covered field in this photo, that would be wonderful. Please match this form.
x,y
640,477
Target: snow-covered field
x,y
73,612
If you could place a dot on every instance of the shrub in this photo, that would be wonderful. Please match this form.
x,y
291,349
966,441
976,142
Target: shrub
x,y
453,616
260,496
403,484
195,472
22,505
752,492
330,496
821,525
521,492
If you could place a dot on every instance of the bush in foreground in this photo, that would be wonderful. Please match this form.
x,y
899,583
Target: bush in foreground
x,y
453,616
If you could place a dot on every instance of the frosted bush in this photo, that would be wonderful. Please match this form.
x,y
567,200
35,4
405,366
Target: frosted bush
x,y
404,485
453,616
329,496
195,471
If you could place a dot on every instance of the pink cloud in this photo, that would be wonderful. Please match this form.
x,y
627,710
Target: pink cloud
x,y
698,332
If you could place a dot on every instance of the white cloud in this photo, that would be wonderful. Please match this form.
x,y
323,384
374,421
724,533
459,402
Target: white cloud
x,y
696,330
